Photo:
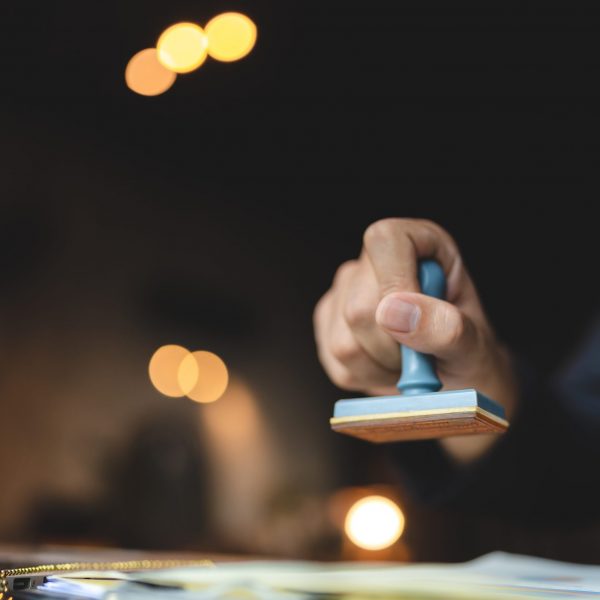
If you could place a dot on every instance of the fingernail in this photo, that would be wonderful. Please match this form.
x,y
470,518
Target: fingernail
x,y
398,315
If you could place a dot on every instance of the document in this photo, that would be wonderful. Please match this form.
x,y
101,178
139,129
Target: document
x,y
494,576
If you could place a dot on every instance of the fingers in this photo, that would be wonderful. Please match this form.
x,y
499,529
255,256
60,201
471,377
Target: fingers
x,y
346,361
428,325
394,247
350,367
374,305
358,306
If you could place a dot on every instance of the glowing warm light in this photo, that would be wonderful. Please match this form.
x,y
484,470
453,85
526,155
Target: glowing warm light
x,y
182,47
211,376
187,373
231,36
374,523
146,76
164,370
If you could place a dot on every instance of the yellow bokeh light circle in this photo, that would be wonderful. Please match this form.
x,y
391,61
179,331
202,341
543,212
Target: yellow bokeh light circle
x,y
146,76
374,523
164,370
231,36
211,376
182,47
187,373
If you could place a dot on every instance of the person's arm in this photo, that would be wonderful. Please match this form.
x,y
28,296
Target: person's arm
x,y
542,472
374,305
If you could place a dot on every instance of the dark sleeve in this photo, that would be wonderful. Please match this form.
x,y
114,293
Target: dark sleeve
x,y
543,469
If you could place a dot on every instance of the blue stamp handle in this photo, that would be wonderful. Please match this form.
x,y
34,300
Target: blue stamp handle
x,y
418,370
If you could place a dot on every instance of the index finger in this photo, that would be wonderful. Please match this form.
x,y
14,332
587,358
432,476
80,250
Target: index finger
x,y
394,247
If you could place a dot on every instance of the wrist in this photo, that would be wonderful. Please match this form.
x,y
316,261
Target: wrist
x,y
497,380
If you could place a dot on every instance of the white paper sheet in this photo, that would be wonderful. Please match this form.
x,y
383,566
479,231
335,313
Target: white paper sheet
x,y
493,576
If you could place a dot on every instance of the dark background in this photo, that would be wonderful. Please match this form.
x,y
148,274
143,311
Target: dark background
x,y
220,210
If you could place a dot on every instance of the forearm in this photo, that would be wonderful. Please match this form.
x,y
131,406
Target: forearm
x,y
543,465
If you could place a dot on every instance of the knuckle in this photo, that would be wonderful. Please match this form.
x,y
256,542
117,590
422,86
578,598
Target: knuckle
x,y
345,350
358,314
344,270
382,230
438,231
430,224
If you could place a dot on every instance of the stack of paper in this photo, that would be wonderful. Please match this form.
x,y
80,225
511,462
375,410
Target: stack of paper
x,y
494,576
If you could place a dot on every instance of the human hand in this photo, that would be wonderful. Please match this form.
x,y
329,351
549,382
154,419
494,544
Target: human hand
x,y
374,304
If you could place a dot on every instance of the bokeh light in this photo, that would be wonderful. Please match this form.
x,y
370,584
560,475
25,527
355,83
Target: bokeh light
x,y
146,76
231,36
164,370
182,47
212,376
187,373
374,523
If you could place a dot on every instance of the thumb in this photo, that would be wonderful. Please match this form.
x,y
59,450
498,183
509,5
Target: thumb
x,y
426,324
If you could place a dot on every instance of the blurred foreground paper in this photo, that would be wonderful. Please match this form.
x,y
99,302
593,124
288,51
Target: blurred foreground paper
x,y
496,575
